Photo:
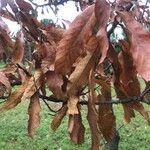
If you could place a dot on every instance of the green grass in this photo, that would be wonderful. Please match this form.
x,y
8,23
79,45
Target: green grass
x,y
13,132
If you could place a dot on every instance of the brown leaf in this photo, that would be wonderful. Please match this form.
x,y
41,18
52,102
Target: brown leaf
x,y
126,62
102,13
5,38
129,86
34,115
76,129
103,82
107,124
24,6
4,80
59,117
15,97
54,82
47,53
139,44
80,75
6,15
54,34
34,84
72,105
18,53
32,24
74,39
92,114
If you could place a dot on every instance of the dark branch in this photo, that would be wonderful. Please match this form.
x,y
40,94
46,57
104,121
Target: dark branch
x,y
123,101
55,3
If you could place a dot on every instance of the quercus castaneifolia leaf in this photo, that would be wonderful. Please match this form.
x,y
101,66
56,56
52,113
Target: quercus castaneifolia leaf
x,y
26,90
76,129
106,122
4,80
5,38
126,86
139,42
54,82
33,84
6,15
54,34
126,61
117,70
72,105
24,6
18,52
34,114
92,115
102,13
72,44
32,25
15,97
46,54
131,83
59,117
80,75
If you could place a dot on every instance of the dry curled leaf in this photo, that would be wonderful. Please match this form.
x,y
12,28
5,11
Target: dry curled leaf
x,y
34,115
18,53
71,46
4,80
54,82
107,121
76,129
102,13
139,42
80,75
92,114
15,97
59,117
72,105
33,85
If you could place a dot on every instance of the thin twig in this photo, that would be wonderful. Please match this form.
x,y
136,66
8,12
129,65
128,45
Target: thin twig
x,y
123,101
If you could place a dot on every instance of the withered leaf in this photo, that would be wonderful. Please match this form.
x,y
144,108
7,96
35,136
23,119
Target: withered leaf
x,y
15,97
18,53
139,44
102,13
59,117
54,82
106,123
76,129
33,84
131,88
47,53
92,114
34,115
71,46
80,75
72,105
24,6
4,80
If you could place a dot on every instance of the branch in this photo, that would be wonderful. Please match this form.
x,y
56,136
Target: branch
x,y
123,101
55,3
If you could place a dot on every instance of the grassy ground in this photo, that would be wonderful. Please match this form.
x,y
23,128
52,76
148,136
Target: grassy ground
x,y
13,132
